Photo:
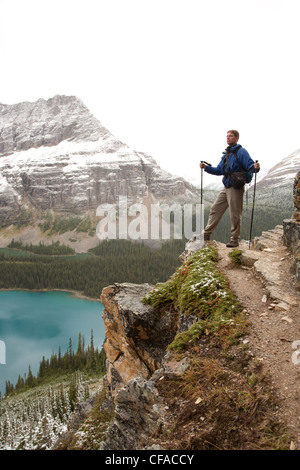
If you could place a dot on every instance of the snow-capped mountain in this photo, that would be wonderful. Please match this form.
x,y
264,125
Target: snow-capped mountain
x,y
283,173
54,154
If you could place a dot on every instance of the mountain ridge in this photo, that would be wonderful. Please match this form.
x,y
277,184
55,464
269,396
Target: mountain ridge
x,y
54,154
283,173
23,124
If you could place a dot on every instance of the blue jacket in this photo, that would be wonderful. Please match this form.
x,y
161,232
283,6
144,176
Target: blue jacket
x,y
245,161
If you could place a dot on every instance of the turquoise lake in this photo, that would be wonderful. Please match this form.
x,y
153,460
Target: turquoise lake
x,y
36,324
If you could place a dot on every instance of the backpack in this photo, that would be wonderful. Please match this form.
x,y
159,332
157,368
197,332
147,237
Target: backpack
x,y
238,178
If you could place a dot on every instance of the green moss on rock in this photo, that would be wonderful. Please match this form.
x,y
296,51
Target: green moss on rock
x,y
198,288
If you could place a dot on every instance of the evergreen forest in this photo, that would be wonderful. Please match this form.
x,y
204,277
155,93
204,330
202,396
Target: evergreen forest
x,y
56,266
86,359
36,411
112,261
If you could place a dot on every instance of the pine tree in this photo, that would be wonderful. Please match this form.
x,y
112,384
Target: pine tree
x,y
73,393
92,365
30,378
20,383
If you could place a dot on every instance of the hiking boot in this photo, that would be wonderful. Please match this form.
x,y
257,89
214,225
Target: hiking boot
x,y
232,244
206,237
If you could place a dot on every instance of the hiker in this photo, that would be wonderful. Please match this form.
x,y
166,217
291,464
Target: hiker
x,y
235,164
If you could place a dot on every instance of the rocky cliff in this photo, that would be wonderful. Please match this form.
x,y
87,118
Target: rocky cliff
x,y
136,334
291,232
54,154
210,389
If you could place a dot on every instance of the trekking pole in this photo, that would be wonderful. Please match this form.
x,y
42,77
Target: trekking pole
x,y
201,185
254,188
209,164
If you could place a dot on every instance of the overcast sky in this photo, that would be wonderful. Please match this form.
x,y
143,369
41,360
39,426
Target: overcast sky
x,y
167,77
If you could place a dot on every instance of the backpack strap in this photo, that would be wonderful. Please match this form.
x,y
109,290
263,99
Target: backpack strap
x,y
235,154
228,152
226,170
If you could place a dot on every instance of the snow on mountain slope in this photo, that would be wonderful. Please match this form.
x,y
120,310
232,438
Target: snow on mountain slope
x,y
55,155
283,173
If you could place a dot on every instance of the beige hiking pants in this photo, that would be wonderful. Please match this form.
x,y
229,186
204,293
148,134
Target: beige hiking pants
x,y
228,198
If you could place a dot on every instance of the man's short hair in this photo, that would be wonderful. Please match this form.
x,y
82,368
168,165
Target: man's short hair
x,y
235,133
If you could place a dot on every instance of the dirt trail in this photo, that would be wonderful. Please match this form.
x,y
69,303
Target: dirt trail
x,y
272,303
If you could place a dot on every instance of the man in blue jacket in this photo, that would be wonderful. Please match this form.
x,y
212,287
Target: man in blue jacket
x,y
234,158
